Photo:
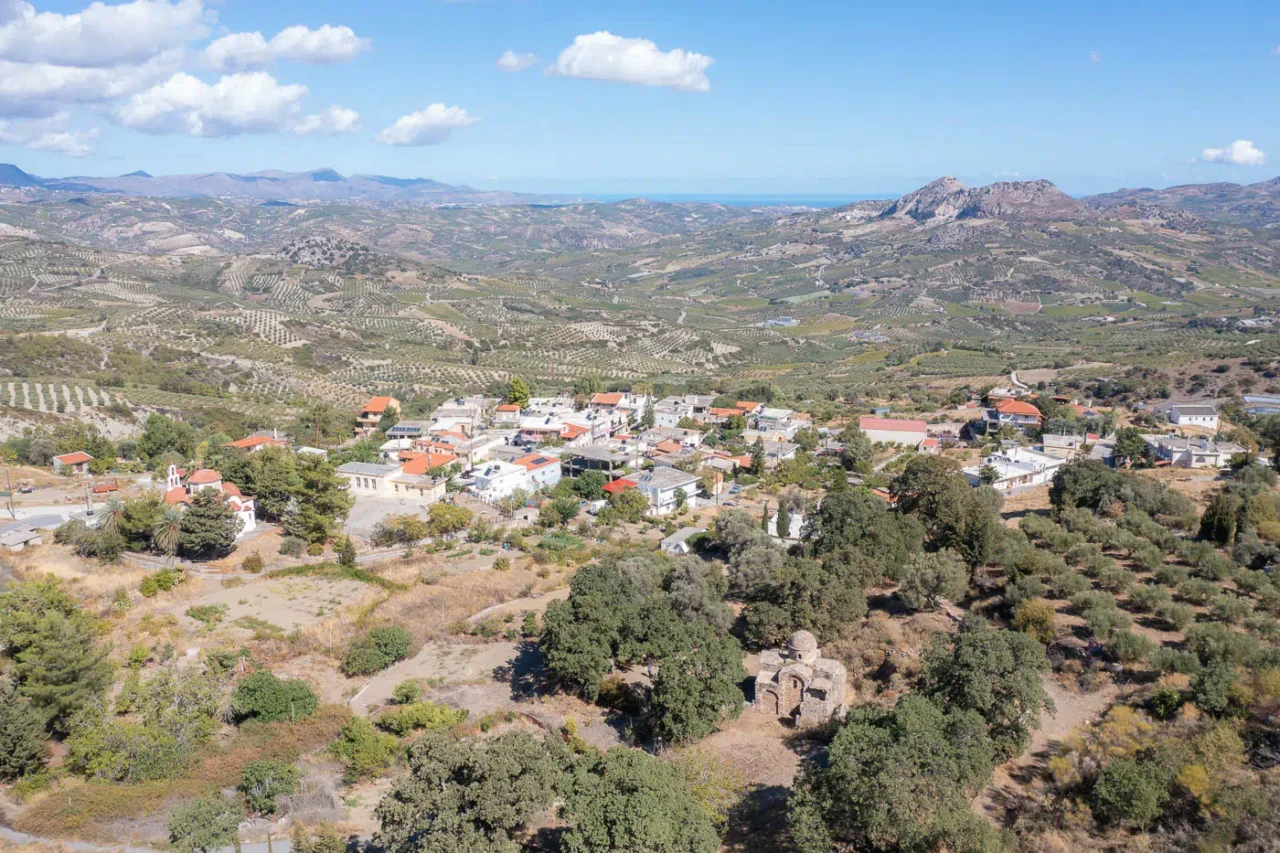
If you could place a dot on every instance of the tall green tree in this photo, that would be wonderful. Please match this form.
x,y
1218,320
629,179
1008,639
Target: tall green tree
x,y
320,500
696,688
783,525
518,392
22,735
816,596
894,781
209,526
469,796
857,449
273,481
163,435
167,532
630,800
929,577
995,673
64,667
758,461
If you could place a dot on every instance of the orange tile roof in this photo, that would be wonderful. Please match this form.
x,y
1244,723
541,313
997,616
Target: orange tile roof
x,y
668,446
427,462
746,405
508,407
177,495
103,488
619,485
376,405
534,461
205,476
572,431
232,489
253,441
77,458
725,413
1017,407
606,399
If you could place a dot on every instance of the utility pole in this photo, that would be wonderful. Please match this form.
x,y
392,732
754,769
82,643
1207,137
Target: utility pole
x,y
8,485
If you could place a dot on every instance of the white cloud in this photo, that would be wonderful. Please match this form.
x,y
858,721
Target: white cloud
x,y
604,56
49,134
1095,56
239,103
324,46
512,61
41,89
100,36
426,127
333,120
1239,153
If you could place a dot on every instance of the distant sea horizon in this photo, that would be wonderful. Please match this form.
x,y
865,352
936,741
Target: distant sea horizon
x,y
746,199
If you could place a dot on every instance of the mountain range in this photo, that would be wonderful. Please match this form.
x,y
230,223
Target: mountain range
x,y
277,186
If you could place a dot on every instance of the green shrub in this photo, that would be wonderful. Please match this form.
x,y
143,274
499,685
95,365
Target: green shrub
x,y
1171,574
1066,584
406,692
264,697
293,546
1211,688
1174,660
1176,616
1129,792
1145,599
252,563
1129,648
315,549
502,564
210,614
377,650
263,780
363,749
1165,702
421,715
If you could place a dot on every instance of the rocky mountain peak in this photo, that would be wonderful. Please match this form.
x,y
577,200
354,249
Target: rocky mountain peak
x,y
947,199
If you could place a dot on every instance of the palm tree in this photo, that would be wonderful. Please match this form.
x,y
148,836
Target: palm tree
x,y
111,517
164,537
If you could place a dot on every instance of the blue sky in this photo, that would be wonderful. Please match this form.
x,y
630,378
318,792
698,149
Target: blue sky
x,y
803,98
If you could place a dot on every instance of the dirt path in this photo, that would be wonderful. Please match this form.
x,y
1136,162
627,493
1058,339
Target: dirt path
x,y
1072,710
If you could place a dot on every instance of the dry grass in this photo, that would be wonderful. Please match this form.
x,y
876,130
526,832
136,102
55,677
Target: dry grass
x,y
94,812
221,764
428,611
93,582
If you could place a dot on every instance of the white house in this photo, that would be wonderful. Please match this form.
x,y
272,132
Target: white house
x,y
77,462
542,470
1201,417
369,479
660,485
1193,452
496,480
1015,468
908,433
1062,446
774,420
178,493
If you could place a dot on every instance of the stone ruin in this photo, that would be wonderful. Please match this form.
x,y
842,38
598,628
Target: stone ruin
x,y
799,683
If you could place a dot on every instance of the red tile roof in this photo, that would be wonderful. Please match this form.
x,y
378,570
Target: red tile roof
x,y
1017,407
668,446
103,488
746,406
77,458
427,462
376,405
205,476
725,413
867,422
620,485
606,399
232,489
572,431
508,407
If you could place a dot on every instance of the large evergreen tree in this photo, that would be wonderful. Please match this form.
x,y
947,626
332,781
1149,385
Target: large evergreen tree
x,y
696,688
320,501
896,780
22,735
469,796
630,800
209,526
64,667
273,481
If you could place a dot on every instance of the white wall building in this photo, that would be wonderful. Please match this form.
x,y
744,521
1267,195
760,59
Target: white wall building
x,y
496,480
660,485
1015,468
1201,417
369,479
908,433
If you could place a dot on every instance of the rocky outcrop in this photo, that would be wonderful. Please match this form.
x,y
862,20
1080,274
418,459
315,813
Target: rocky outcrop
x,y
947,199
